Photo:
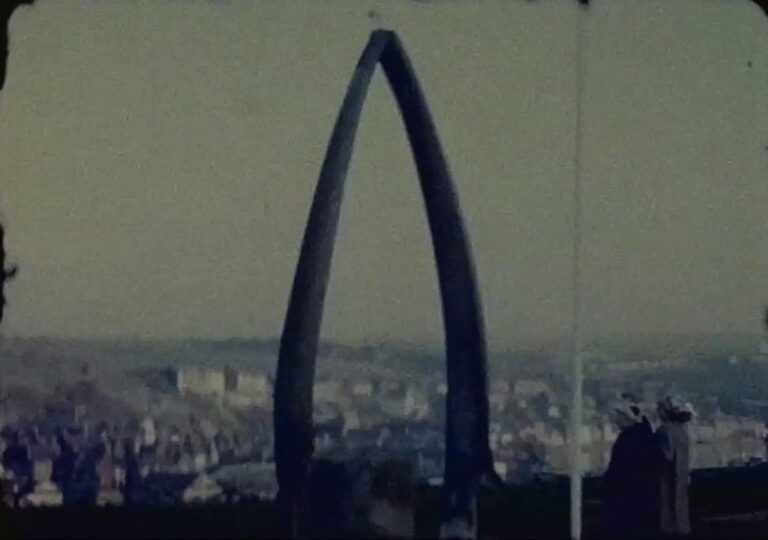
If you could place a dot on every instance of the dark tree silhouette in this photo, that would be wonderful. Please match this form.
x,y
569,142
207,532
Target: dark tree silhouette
x,y
7,8
5,275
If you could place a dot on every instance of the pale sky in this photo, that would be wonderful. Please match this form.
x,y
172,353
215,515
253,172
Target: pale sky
x,y
159,158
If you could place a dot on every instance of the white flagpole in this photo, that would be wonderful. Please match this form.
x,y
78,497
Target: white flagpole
x,y
576,351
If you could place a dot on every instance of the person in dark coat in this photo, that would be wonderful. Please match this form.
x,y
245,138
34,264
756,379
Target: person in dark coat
x,y
630,494
672,440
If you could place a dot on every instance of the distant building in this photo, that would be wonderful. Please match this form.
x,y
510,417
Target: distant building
x,y
200,460
351,420
725,440
45,494
362,389
557,457
148,434
109,497
213,453
500,387
327,391
110,484
247,479
202,490
325,411
246,389
411,402
199,381
42,469
553,437
528,388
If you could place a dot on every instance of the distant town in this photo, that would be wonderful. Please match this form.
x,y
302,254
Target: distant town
x,y
130,422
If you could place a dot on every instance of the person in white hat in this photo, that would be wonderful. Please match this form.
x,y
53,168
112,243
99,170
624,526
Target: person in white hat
x,y
674,469
629,492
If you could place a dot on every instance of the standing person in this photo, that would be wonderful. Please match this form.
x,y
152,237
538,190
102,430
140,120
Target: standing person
x,y
630,492
674,470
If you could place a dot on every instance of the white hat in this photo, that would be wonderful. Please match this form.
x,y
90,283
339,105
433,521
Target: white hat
x,y
630,409
676,406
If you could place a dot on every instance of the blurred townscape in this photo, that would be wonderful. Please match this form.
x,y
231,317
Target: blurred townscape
x,y
180,422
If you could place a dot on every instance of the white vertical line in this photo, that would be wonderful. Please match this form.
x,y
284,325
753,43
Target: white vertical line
x,y
578,370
